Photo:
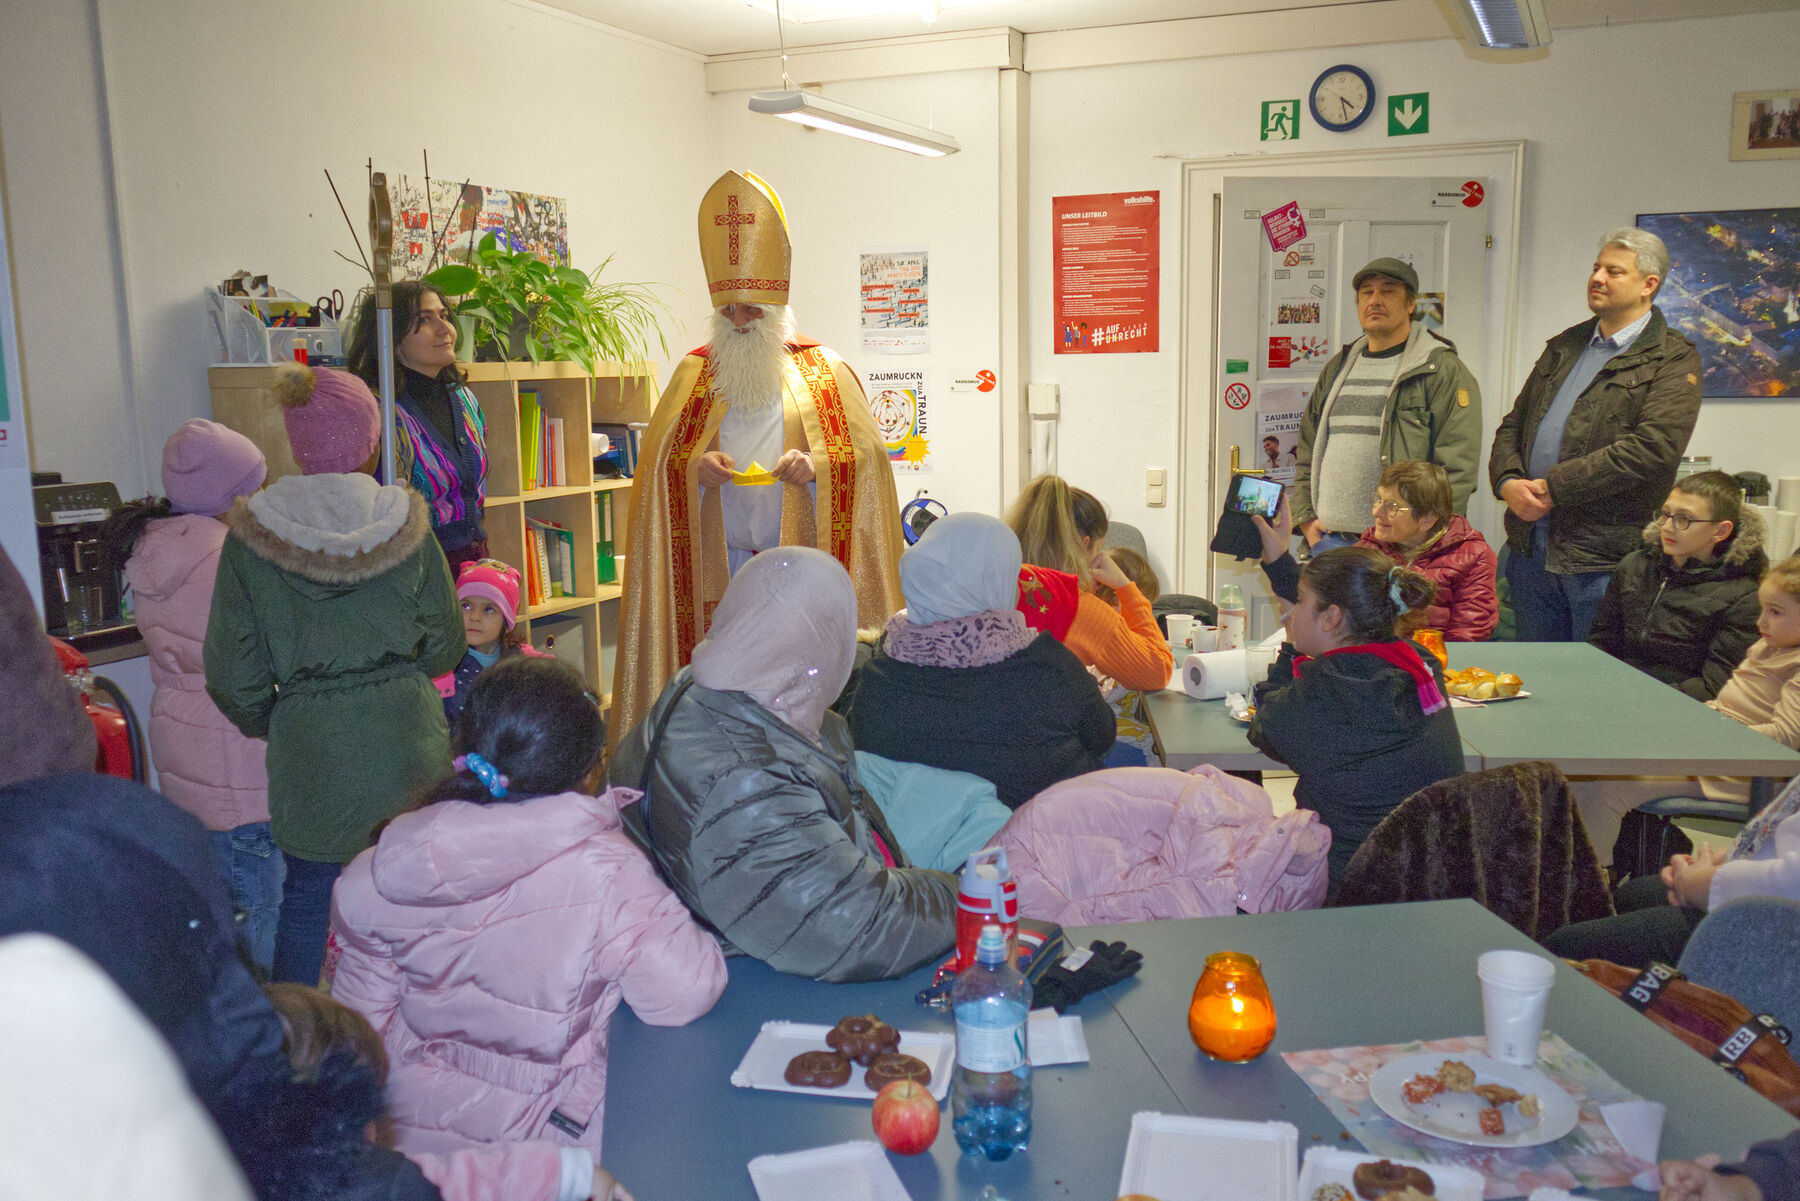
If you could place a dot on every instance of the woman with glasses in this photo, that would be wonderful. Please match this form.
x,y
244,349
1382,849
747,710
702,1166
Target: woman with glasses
x,y
1683,608
1416,526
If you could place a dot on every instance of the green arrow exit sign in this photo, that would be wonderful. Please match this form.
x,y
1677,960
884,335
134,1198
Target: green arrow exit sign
x,y
1410,113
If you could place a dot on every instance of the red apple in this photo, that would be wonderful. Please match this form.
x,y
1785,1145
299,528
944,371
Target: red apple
x,y
905,1117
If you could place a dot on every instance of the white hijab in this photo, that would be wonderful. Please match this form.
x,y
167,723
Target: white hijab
x,y
963,564
785,633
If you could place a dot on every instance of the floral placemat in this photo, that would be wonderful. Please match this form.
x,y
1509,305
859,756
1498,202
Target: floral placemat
x,y
1587,1157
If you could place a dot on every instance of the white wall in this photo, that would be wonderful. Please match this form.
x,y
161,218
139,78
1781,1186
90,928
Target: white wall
x,y
1619,121
843,196
223,115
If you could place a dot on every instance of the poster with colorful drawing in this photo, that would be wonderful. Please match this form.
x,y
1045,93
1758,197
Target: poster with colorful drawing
x,y
896,308
458,216
1278,413
897,399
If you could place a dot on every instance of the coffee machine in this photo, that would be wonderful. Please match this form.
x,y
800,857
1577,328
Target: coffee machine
x,y
81,589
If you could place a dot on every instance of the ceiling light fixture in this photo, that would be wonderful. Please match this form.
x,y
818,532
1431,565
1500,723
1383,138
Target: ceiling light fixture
x,y
1504,24
820,112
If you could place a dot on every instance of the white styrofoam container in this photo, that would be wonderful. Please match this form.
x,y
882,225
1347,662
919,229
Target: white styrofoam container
x,y
1177,1158
765,1064
854,1171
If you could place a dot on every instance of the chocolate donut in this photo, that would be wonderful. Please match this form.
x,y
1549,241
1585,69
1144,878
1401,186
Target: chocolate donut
x,y
893,1066
818,1069
862,1038
1384,1176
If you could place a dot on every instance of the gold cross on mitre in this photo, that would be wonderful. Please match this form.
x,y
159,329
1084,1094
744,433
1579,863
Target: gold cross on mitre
x,y
744,241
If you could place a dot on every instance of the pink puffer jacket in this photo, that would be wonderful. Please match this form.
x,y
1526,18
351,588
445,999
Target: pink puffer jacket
x,y
1134,844
490,944
202,763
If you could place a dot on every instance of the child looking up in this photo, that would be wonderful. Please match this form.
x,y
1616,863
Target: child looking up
x,y
1358,713
1683,607
491,933
488,592
170,550
332,613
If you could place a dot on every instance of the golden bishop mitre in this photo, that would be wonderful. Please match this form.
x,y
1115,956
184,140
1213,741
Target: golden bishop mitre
x,y
744,241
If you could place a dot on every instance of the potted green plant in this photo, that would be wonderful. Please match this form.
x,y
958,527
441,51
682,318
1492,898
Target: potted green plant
x,y
513,305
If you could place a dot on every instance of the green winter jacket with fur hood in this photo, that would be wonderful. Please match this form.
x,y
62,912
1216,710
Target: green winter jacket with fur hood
x,y
332,611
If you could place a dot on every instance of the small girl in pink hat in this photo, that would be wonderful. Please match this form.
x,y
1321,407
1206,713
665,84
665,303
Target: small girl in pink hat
x,y
487,591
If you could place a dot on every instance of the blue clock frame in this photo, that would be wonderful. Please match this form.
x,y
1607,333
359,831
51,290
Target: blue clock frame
x,y
1312,99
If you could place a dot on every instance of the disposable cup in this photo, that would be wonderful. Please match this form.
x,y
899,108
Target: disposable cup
x,y
1181,630
1205,639
1258,659
1515,990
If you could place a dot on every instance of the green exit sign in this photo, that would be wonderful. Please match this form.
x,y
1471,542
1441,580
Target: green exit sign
x,y
1407,114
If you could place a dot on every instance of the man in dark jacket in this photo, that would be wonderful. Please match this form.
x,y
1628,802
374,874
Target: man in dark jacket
x,y
1591,445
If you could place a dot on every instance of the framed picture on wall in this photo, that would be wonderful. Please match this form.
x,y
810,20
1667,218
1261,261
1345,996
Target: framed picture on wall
x,y
1734,290
1765,125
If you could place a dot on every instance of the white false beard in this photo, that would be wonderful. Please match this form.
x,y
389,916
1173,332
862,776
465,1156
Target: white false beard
x,y
749,368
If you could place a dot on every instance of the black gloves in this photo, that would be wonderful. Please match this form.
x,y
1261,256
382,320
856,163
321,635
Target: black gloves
x,y
1107,964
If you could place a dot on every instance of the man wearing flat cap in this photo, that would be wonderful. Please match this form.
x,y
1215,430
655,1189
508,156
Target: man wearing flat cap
x,y
761,439
1398,392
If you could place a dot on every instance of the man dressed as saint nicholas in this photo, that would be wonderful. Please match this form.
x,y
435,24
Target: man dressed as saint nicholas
x,y
761,439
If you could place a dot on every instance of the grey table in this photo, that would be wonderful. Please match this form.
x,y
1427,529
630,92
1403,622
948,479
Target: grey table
x,y
1592,715
676,1128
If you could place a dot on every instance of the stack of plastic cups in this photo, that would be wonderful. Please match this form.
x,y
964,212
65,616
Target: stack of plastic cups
x,y
1515,991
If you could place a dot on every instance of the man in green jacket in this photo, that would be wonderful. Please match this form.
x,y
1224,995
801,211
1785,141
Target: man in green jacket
x,y
1591,446
1398,392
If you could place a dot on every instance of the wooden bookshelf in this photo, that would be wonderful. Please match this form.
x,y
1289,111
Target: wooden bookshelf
x,y
616,392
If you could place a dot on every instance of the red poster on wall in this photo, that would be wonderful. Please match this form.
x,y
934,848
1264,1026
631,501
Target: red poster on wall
x,y
1106,272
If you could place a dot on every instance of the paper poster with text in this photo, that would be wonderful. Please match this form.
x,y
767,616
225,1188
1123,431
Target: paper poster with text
x,y
1278,412
897,399
1107,272
1297,312
896,310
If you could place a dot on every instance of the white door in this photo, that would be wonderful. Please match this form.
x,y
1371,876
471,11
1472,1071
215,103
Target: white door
x,y
1283,312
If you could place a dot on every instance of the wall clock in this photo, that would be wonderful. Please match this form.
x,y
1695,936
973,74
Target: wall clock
x,y
1342,97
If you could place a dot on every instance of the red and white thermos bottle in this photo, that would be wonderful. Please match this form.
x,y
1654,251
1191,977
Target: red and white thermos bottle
x,y
987,895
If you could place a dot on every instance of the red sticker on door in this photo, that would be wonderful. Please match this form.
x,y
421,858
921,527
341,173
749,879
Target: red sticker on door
x,y
984,381
1237,396
1472,194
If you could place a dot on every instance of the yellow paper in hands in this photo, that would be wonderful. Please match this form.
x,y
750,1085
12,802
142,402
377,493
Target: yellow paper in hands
x,y
753,476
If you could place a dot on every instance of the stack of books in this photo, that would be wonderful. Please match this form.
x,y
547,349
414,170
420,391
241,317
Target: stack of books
x,y
542,458
549,561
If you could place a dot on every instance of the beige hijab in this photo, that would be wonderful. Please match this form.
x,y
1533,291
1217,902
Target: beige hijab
x,y
785,633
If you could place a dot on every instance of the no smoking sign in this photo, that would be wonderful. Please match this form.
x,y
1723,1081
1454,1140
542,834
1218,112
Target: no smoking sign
x,y
1237,396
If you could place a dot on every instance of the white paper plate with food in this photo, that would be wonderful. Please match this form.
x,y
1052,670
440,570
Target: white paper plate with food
x,y
1469,702
857,1171
1473,1099
778,1044
1330,1174
1173,1157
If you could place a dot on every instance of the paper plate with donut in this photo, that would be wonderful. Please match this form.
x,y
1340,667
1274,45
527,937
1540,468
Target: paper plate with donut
x,y
1331,1174
852,1059
1473,1099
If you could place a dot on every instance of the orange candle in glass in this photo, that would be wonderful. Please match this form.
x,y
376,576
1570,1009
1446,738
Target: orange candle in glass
x,y
1231,1017
1433,641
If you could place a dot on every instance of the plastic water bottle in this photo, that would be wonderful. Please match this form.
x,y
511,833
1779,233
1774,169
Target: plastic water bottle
x,y
1231,618
990,1096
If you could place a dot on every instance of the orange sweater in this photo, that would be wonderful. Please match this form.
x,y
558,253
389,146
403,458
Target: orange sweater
x,y
1124,643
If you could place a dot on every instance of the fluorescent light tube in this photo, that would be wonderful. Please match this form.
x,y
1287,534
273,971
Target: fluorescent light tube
x,y
1504,24
810,108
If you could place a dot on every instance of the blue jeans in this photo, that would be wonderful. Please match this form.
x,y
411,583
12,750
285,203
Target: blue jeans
x,y
1331,540
248,859
1548,607
305,921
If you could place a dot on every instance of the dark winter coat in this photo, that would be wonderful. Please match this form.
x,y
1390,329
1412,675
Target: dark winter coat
x,y
770,839
35,694
1023,722
332,612
1352,729
1688,626
126,878
1620,448
1461,565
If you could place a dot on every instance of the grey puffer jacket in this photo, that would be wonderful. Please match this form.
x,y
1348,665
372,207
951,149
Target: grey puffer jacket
x,y
772,841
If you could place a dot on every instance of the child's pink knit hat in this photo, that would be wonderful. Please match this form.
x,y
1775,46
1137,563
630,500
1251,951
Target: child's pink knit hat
x,y
491,580
333,420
